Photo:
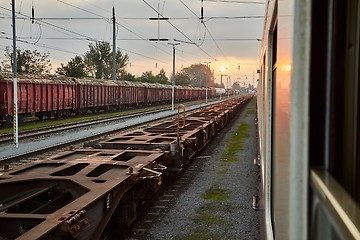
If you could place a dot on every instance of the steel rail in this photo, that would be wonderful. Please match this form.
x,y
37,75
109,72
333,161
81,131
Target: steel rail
x,y
7,138
4,162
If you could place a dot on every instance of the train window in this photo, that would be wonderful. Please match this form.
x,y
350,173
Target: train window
x,y
351,168
334,110
344,158
272,93
334,119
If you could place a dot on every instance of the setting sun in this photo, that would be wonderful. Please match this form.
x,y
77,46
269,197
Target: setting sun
x,y
222,69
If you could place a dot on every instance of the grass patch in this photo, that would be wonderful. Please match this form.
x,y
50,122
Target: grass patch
x,y
207,219
214,207
201,234
52,123
222,171
43,124
250,111
236,143
251,107
215,194
209,214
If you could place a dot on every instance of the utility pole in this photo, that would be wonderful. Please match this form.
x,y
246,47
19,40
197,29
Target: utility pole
x,y
173,77
228,86
206,84
227,83
113,74
253,77
16,124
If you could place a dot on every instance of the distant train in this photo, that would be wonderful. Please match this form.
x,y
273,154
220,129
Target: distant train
x,y
309,120
55,96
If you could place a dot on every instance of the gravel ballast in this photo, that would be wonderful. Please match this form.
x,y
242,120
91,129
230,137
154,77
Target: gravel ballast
x,y
215,200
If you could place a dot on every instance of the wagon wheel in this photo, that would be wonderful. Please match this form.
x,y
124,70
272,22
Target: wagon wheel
x,y
40,116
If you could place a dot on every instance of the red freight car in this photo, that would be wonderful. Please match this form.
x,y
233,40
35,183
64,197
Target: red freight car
x,y
95,95
47,95
38,96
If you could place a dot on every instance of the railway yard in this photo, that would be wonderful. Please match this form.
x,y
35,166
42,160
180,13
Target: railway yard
x,y
161,178
213,198
33,142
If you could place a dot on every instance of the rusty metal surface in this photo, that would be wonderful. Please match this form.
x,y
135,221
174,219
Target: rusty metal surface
x,y
203,123
78,194
87,175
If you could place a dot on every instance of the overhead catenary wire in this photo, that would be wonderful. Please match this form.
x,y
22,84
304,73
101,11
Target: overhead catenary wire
x,y
109,21
127,37
217,45
54,26
134,18
177,29
64,30
203,37
234,1
201,19
66,51
82,9
19,39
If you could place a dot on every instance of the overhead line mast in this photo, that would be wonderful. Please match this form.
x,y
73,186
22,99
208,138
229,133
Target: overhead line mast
x,y
16,121
113,75
202,12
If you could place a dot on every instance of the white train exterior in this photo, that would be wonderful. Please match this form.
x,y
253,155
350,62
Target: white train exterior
x,y
308,114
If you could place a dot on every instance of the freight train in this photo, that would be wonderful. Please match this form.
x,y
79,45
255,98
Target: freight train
x,y
98,191
308,117
55,96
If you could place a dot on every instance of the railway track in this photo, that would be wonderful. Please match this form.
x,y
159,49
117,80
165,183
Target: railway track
x,y
97,191
20,158
8,138
15,160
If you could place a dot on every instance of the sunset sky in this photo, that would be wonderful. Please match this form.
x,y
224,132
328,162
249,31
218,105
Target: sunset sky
x,y
228,36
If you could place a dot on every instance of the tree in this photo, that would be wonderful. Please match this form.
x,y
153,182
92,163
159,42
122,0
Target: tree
x,y
147,76
74,68
98,61
27,61
128,77
161,77
200,75
182,78
236,86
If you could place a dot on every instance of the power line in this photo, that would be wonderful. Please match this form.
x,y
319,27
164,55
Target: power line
x,y
197,17
235,17
103,9
75,36
52,26
56,18
228,1
87,11
63,50
189,9
217,45
191,41
42,45
84,37
66,51
102,17
142,55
